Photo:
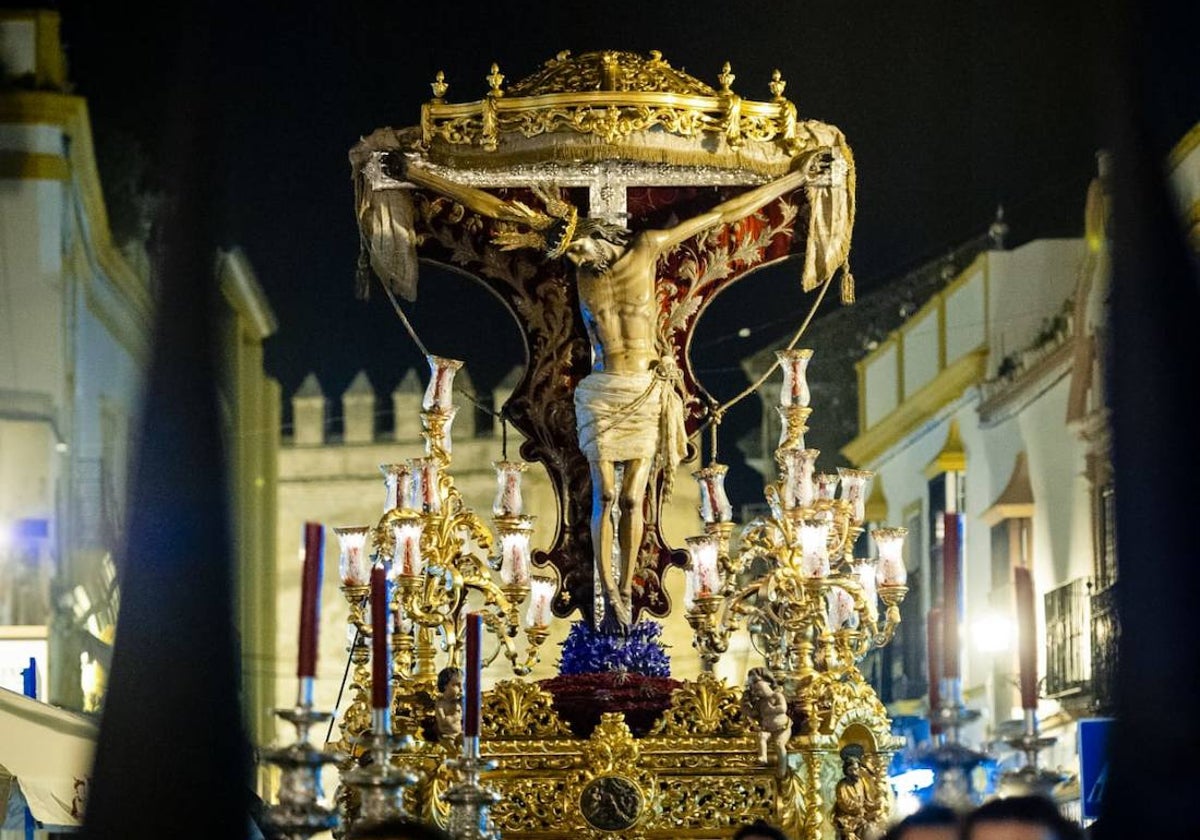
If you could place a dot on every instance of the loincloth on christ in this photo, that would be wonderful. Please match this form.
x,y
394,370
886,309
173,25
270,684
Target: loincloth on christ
x,y
628,416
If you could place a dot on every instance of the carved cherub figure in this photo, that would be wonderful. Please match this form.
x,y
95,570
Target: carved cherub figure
x,y
765,704
447,709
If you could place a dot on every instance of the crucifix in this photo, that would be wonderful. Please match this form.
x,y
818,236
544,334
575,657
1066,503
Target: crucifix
x,y
629,405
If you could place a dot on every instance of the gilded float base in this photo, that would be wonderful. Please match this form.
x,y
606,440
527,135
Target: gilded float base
x,y
696,774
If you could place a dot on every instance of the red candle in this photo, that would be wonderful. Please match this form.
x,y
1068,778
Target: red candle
x,y
933,627
951,593
381,662
310,598
1026,638
472,691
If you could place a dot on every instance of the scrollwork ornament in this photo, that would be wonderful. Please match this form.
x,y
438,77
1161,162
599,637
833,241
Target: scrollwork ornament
x,y
518,709
705,707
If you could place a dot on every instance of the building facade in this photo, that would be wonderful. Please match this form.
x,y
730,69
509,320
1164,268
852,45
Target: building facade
x,y
249,408
74,342
988,401
76,310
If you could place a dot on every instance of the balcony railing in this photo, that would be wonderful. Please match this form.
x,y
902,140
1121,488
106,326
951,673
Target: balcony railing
x,y
1067,636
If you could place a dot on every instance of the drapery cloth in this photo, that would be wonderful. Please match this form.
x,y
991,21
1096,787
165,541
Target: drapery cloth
x,y
626,416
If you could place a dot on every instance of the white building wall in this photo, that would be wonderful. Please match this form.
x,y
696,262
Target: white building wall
x,y
31,306
1026,288
74,323
1018,292
880,386
921,350
966,311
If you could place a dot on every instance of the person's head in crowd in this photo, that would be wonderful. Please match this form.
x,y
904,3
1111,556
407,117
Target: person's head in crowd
x,y
759,830
396,829
1019,818
933,822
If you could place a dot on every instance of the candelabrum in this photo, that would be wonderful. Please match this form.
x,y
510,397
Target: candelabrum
x,y
954,764
1030,779
299,814
952,714
380,783
440,553
470,801
811,607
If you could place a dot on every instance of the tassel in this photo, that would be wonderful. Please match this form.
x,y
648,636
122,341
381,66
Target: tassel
x,y
847,286
362,275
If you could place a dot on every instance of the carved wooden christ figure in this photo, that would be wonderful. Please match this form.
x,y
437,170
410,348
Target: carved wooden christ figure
x,y
629,409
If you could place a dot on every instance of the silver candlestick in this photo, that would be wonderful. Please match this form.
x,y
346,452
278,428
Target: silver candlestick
x,y
470,801
381,784
954,764
953,714
1030,779
298,814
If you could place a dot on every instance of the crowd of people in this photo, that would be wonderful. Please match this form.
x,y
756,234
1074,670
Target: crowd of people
x,y
1013,818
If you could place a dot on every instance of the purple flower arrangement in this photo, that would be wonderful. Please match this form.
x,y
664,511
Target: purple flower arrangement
x,y
601,672
588,651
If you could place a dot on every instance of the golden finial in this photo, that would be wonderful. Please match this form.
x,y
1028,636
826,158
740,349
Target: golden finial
x,y
495,79
777,85
439,85
726,78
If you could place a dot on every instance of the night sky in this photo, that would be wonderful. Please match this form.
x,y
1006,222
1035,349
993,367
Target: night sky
x,y
950,107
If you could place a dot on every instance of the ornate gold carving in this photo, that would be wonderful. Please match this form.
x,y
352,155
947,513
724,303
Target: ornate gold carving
x,y
531,807
709,801
611,95
726,78
495,79
696,773
705,707
609,71
439,86
517,709
611,746
777,85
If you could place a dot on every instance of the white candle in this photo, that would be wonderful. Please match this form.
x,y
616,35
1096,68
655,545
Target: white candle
x,y
514,558
854,491
891,569
814,548
797,467
704,579
795,378
865,571
406,557
425,485
398,485
826,486
541,594
352,566
714,503
439,394
508,500
840,608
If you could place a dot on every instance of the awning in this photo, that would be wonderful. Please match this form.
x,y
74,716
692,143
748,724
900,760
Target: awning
x,y
48,751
